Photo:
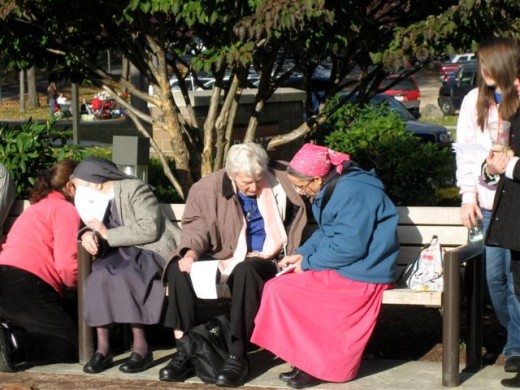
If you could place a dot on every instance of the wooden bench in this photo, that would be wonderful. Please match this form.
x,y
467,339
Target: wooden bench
x,y
416,227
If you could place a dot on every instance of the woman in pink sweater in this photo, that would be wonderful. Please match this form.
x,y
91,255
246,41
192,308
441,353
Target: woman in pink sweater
x,y
38,263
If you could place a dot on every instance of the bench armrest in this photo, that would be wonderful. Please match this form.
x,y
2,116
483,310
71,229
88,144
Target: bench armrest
x,y
467,252
471,254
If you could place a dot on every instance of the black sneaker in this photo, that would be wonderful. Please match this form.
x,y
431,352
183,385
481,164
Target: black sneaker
x,y
512,364
178,369
233,372
6,350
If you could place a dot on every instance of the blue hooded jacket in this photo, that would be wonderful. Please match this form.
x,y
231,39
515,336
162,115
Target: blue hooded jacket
x,y
357,234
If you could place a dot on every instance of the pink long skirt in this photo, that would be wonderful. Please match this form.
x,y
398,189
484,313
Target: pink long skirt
x,y
318,321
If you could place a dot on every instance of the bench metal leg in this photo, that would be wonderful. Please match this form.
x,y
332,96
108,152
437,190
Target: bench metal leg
x,y
451,321
474,314
85,332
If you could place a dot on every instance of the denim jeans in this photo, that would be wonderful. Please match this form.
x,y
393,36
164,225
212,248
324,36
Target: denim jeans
x,y
500,285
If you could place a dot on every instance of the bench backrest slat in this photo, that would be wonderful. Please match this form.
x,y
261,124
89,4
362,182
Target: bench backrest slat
x,y
429,216
416,227
173,210
449,236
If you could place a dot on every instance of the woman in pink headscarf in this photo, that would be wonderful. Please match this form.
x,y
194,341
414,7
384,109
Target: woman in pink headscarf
x,y
320,316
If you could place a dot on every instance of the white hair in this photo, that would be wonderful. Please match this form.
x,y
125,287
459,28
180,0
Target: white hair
x,y
248,158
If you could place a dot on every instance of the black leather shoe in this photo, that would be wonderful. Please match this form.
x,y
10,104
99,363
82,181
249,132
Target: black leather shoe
x,y
303,380
137,363
98,363
233,372
512,364
178,369
287,376
6,351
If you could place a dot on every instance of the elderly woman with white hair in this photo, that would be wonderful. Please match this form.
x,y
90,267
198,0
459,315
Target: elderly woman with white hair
x,y
247,215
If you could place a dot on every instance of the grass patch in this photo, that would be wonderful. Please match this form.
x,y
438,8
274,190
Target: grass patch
x,y
447,121
10,107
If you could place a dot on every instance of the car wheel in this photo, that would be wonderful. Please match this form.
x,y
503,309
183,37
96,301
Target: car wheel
x,y
446,107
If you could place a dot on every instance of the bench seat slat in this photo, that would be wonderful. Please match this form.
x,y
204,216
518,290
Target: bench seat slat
x,y
405,296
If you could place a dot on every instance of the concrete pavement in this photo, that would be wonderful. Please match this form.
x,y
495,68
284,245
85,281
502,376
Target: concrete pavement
x,y
374,374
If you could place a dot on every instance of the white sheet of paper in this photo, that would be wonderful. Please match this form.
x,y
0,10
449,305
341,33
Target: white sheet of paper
x,y
91,204
469,148
203,277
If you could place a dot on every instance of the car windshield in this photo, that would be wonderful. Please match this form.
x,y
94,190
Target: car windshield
x,y
405,84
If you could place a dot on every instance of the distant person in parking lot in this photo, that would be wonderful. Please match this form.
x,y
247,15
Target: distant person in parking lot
x,y
493,101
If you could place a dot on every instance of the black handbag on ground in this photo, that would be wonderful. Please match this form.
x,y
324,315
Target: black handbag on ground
x,y
207,346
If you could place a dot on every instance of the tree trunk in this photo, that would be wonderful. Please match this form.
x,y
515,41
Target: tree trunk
x,y
32,92
125,71
22,91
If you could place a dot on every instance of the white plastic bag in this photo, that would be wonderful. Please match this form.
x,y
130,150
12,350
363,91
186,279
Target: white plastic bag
x,y
426,272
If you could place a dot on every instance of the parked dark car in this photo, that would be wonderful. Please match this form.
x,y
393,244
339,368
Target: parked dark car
x,y
428,132
453,91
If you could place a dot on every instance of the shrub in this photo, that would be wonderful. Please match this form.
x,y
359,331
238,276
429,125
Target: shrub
x,y
411,170
29,149
162,186
156,178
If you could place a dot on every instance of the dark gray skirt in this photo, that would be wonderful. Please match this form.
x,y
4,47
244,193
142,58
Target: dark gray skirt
x,y
125,287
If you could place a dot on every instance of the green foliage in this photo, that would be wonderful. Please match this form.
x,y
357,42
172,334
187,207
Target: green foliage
x,y
411,170
162,186
31,148
448,196
359,41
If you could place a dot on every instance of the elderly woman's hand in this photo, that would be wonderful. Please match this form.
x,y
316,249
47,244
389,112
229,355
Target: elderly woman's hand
x,y
292,259
98,227
185,264
187,260
89,241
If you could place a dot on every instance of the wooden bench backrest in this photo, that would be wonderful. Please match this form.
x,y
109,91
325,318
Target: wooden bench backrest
x,y
417,225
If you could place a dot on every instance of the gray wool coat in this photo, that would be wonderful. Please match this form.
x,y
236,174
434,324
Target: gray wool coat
x,y
143,224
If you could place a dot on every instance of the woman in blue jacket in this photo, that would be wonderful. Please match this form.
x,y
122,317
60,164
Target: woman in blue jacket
x,y
320,317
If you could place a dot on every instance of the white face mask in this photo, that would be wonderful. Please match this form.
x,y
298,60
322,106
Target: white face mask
x,y
90,203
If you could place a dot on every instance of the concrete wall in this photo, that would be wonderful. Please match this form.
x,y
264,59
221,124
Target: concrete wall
x,y
282,113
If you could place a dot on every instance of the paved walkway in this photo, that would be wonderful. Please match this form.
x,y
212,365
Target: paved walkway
x,y
374,375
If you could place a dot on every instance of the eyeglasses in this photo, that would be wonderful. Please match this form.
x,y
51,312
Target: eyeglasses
x,y
301,190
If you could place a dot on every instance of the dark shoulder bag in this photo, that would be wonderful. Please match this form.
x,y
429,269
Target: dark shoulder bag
x,y
208,346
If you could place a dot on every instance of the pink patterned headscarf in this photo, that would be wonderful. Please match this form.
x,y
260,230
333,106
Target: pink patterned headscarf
x,y
316,161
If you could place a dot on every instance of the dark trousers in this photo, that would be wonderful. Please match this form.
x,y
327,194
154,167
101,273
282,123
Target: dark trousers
x,y
43,327
246,283
515,271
